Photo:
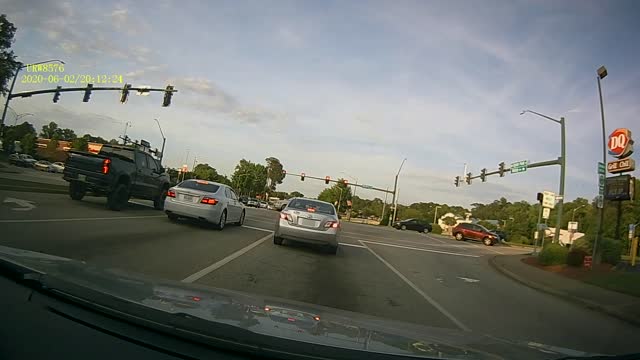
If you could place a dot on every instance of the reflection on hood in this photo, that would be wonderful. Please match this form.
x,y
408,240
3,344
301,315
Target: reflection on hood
x,y
284,318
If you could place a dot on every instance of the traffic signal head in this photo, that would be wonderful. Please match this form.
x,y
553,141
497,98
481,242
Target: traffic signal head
x,y
483,175
125,93
540,197
501,169
284,173
168,93
468,178
87,93
326,179
345,181
56,95
302,176
456,182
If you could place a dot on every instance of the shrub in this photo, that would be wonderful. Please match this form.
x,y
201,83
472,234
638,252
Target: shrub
x,y
575,257
517,238
436,229
611,251
553,254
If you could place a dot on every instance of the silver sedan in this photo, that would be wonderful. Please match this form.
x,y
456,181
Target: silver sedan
x,y
310,221
207,201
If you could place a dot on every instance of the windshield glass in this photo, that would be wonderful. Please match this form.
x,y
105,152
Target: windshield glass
x,y
441,178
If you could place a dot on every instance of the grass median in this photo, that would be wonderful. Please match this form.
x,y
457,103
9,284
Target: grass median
x,y
628,283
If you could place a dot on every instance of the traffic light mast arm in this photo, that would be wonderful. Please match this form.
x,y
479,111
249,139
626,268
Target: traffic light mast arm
x,y
61,90
337,181
531,165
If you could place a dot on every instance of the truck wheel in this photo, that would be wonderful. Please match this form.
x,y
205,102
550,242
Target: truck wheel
x,y
158,202
117,198
77,190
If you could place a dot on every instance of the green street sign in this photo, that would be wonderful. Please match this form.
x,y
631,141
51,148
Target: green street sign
x,y
601,168
519,166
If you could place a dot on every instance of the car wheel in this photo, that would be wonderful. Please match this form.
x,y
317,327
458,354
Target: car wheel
x,y
277,240
76,190
241,221
172,217
117,198
158,202
459,236
403,227
487,241
425,231
223,220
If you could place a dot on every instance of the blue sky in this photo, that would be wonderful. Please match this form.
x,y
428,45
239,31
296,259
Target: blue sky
x,y
351,87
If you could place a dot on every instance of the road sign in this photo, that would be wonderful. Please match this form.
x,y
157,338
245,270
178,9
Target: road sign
x,y
601,169
620,143
519,166
620,188
366,186
587,261
632,231
622,165
600,201
545,213
548,199
573,225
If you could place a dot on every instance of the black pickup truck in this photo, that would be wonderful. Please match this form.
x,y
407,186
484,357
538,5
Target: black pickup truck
x,y
118,172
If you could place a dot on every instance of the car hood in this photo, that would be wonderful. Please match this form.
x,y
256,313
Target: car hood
x,y
273,317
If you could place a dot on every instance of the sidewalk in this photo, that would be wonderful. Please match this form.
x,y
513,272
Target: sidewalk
x,y
621,306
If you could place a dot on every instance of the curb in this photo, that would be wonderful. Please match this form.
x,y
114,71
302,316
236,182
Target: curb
x,y
34,189
562,294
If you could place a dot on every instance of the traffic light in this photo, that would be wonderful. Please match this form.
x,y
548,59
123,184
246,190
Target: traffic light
x,y
501,169
346,182
456,182
540,197
468,179
125,93
483,175
326,179
302,176
56,95
168,93
284,173
87,93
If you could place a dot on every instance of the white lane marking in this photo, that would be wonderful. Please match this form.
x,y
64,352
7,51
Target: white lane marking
x,y
263,221
419,291
469,280
256,228
352,245
26,205
487,248
403,242
193,277
81,219
141,204
419,249
434,238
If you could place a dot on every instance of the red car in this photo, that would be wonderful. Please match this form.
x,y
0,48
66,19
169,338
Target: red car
x,y
468,231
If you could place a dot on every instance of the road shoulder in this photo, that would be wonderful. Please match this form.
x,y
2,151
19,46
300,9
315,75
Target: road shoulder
x,y
618,305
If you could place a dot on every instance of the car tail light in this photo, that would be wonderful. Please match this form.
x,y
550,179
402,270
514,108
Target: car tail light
x,y
316,318
171,193
210,201
266,308
311,209
106,165
286,216
332,224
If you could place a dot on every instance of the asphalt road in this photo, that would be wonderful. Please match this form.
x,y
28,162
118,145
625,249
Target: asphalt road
x,y
425,279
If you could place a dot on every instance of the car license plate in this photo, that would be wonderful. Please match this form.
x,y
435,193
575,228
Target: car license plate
x,y
187,198
308,222
82,177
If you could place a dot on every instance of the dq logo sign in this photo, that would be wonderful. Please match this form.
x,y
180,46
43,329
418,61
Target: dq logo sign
x,y
620,143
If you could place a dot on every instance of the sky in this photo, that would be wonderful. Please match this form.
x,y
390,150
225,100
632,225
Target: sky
x,y
349,88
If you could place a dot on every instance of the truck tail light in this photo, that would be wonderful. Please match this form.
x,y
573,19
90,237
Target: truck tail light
x,y
106,164
208,200
171,193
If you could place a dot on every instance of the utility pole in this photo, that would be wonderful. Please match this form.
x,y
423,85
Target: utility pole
x,y
193,168
394,199
435,214
384,204
602,73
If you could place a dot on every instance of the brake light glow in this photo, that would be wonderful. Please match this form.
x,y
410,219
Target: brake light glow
x,y
311,209
210,201
202,182
196,298
332,224
286,216
171,193
316,318
105,165
266,308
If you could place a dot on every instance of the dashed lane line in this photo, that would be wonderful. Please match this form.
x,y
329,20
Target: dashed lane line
x,y
79,219
419,249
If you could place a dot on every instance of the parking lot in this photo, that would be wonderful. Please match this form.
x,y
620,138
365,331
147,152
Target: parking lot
x,y
426,279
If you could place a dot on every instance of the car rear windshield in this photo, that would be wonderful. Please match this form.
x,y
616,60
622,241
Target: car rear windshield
x,y
305,205
197,185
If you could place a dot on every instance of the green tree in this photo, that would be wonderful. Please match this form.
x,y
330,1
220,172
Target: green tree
x,y
80,144
449,221
66,134
8,63
338,193
16,133
49,130
295,194
113,142
206,172
28,143
249,178
274,172
488,225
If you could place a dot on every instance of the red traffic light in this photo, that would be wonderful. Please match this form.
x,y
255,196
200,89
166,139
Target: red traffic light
x,y
302,176
327,179
345,181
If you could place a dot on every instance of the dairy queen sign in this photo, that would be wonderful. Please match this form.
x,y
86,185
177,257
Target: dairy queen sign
x,y
621,146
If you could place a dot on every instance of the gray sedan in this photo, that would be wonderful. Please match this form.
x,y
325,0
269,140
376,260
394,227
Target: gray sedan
x,y
310,221
207,201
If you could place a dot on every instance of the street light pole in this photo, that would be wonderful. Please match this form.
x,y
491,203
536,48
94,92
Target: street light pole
x,y
563,162
18,117
602,73
394,199
573,216
13,83
435,215
164,139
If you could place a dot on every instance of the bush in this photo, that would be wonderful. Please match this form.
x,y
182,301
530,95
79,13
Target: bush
x,y
611,251
517,238
436,229
575,257
553,254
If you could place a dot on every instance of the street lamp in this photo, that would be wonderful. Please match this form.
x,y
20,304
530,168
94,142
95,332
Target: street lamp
x,y
13,82
394,199
602,73
563,160
164,139
435,215
18,117
573,216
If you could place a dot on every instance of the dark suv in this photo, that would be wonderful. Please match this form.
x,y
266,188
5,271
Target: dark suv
x,y
468,231
413,224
